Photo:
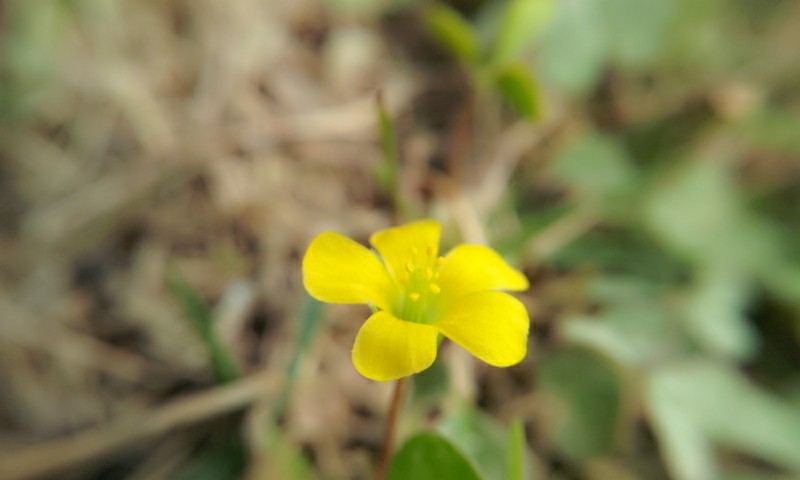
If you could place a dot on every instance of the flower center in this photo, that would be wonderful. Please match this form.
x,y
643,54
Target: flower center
x,y
419,292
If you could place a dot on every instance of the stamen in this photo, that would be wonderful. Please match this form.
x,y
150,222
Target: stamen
x,y
430,250
428,273
414,251
434,288
409,267
414,296
441,261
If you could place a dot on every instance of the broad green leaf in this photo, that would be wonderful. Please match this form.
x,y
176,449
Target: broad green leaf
x,y
634,329
696,209
574,49
624,251
521,90
498,453
637,28
428,456
521,22
699,213
597,166
686,450
635,336
623,289
715,312
588,391
697,403
453,32
481,439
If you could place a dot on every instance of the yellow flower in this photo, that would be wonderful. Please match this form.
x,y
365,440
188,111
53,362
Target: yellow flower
x,y
416,295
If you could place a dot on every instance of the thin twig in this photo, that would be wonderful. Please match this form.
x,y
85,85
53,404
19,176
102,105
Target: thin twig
x,y
391,424
92,445
561,232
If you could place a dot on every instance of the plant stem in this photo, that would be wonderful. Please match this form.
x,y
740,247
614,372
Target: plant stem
x,y
391,423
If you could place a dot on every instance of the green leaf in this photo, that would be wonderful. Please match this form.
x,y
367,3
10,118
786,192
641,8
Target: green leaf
x,y
521,90
428,456
202,318
453,32
574,49
697,403
597,166
522,21
625,251
699,205
635,328
634,336
480,437
588,391
687,451
637,28
694,209
715,313
498,453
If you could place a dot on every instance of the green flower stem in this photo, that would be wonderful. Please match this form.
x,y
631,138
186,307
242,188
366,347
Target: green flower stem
x,y
391,423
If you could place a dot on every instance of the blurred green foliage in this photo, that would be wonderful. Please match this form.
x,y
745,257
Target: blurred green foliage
x,y
691,247
428,456
491,48
588,390
485,442
677,127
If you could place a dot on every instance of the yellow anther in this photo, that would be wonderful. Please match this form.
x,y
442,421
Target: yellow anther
x,y
409,267
434,288
430,250
428,273
404,279
441,261
414,296
414,251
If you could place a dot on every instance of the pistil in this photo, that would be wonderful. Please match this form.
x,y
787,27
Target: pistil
x,y
419,292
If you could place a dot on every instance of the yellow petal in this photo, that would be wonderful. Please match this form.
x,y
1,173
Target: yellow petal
x,y
339,270
388,348
408,245
472,268
493,326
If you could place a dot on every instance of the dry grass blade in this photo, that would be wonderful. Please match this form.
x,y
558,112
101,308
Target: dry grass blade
x,y
93,445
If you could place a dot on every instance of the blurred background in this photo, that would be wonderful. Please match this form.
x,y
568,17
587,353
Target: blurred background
x,y
164,164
